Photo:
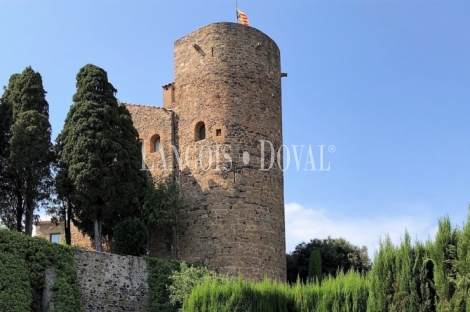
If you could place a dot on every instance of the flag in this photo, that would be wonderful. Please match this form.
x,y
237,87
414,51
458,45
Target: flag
x,y
242,18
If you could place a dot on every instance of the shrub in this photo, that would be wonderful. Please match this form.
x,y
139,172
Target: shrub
x,y
26,258
15,290
130,237
188,277
347,292
159,271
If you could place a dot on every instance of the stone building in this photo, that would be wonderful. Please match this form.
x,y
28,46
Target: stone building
x,y
55,233
217,130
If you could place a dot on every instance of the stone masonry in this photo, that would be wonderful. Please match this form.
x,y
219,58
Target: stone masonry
x,y
107,282
227,80
110,282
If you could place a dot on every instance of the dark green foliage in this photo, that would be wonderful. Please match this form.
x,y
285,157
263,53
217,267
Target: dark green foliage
x,y
30,158
33,256
158,280
336,253
314,267
130,237
444,253
15,290
100,160
461,266
161,203
6,116
26,155
8,207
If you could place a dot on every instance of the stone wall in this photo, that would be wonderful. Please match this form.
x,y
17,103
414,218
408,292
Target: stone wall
x,y
110,282
151,123
155,122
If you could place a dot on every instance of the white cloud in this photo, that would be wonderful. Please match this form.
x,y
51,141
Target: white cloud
x,y
304,224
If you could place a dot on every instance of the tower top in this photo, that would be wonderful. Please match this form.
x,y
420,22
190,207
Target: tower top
x,y
225,27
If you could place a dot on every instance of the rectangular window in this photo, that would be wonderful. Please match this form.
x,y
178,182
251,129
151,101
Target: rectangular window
x,y
55,238
218,132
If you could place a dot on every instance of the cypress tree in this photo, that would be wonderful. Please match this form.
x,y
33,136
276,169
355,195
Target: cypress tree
x,y
461,298
99,157
132,181
401,279
443,254
382,278
27,154
7,206
314,267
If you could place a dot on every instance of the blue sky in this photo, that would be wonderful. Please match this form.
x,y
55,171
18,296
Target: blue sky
x,y
386,82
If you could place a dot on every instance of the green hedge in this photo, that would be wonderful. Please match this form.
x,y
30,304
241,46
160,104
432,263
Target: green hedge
x,y
347,292
15,289
26,258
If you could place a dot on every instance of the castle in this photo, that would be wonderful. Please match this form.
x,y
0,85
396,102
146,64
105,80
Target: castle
x,y
209,137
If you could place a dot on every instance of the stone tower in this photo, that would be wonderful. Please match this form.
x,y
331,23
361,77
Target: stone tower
x,y
224,103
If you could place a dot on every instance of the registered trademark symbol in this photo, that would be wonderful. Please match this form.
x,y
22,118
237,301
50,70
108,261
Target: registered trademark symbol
x,y
331,148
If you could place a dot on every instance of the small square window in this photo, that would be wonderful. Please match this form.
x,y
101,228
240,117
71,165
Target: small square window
x,y
55,238
218,132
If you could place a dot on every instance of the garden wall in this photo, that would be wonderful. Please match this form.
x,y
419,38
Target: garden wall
x,y
110,282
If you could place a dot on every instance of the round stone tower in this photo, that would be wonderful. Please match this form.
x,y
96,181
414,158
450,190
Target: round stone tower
x,y
227,107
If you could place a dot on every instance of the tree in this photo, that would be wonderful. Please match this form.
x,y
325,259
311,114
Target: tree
x,y
8,206
444,254
26,156
336,253
30,160
162,202
99,167
401,278
130,237
461,297
314,267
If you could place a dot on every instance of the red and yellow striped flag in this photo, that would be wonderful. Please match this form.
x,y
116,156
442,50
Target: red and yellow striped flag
x,y
242,18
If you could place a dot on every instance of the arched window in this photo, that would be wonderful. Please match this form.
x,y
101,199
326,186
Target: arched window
x,y
200,131
157,144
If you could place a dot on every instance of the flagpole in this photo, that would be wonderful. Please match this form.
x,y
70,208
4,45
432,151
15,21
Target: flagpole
x,y
236,9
